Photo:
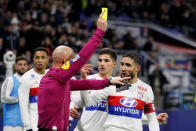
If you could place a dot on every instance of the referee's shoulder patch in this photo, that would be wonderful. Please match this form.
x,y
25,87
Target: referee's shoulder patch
x,y
66,65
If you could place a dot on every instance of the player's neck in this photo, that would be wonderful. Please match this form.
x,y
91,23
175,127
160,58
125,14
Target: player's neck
x,y
39,71
105,75
134,80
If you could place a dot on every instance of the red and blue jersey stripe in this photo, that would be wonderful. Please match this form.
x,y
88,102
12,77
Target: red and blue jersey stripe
x,y
33,95
125,106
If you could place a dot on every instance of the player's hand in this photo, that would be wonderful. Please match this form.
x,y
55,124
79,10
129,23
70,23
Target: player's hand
x,y
162,118
86,69
101,23
119,81
73,112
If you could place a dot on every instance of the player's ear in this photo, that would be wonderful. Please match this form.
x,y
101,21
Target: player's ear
x,y
15,67
138,68
63,60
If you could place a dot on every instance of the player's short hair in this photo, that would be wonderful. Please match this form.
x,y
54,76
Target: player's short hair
x,y
134,55
19,58
108,51
40,49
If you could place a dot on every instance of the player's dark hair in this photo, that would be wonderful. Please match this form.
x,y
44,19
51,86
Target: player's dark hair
x,y
21,58
108,51
134,55
40,49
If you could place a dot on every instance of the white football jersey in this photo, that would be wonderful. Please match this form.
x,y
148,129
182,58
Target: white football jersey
x,y
28,92
125,108
93,117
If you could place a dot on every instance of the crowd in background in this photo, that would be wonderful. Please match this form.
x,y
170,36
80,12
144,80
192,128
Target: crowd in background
x,y
26,24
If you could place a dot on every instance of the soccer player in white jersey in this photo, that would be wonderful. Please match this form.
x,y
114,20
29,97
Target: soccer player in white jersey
x,y
28,89
93,117
9,97
125,107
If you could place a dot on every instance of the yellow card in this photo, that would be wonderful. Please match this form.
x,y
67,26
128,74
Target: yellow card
x,y
105,15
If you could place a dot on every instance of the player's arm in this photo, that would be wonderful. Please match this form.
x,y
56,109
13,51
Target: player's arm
x,y
88,84
150,112
23,93
94,97
6,91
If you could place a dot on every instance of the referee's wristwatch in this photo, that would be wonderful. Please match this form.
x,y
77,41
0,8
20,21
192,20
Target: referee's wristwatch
x,y
109,79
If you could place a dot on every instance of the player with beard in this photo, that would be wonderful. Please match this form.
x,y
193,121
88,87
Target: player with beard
x,y
126,104
28,89
9,97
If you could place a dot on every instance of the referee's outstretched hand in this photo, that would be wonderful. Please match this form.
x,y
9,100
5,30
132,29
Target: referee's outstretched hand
x,y
119,81
101,23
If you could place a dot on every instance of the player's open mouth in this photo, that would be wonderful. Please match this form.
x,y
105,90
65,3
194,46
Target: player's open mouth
x,y
124,75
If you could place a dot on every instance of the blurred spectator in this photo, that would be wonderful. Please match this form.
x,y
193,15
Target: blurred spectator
x,y
22,48
133,45
44,20
148,46
11,39
128,39
62,40
47,44
48,31
157,78
164,14
2,49
175,13
33,37
52,21
28,55
118,45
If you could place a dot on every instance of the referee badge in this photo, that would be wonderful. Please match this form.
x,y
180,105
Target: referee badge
x,y
66,65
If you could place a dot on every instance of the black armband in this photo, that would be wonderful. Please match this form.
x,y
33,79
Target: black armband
x,y
109,79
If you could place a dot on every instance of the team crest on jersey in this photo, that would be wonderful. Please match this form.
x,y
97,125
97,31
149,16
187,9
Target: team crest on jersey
x,y
32,76
140,94
128,102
